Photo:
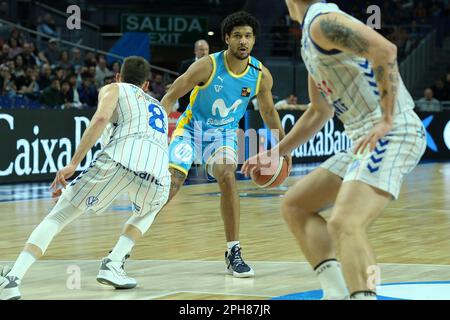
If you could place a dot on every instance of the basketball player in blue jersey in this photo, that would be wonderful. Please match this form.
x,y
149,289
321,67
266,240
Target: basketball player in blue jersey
x,y
223,84
353,73
134,159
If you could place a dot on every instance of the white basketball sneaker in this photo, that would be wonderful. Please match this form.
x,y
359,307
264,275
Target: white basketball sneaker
x,y
111,273
9,285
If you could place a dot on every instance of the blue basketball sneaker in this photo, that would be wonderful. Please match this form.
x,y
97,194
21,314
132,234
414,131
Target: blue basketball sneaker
x,y
236,265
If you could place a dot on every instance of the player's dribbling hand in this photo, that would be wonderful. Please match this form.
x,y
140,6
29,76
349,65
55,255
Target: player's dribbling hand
x,y
255,162
60,182
376,133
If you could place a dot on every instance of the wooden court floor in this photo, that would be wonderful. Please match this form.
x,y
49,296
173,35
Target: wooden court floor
x,y
181,256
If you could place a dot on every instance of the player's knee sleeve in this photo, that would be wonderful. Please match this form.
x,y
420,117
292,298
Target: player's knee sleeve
x,y
64,213
43,234
143,223
61,215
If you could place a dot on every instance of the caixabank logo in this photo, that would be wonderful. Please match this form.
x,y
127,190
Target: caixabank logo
x,y
427,290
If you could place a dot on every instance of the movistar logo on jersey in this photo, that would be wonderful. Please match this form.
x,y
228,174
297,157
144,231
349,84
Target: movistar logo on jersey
x,y
220,106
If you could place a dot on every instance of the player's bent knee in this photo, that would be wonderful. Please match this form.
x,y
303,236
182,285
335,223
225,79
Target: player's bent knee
x,y
226,177
341,227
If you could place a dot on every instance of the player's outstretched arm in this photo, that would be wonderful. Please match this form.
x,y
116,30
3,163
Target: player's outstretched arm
x,y
107,102
312,120
267,108
266,105
197,74
336,31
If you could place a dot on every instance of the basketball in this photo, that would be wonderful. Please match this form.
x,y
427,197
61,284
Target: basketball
x,y
281,169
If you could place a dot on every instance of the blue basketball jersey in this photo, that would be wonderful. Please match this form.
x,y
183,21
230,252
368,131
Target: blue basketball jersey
x,y
222,101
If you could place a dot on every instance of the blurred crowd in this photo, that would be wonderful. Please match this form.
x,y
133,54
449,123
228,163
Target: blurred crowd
x,y
55,76
434,95
404,22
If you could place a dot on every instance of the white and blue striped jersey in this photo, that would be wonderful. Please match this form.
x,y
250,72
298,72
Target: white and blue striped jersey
x,y
346,80
137,137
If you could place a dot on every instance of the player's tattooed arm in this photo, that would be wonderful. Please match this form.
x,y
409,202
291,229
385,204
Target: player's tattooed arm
x,y
343,36
337,31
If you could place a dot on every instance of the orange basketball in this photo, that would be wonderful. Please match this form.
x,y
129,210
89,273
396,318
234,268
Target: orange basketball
x,y
272,180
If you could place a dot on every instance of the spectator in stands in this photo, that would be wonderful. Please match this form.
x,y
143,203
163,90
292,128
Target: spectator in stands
x,y
428,103
73,93
15,48
158,87
109,80
8,87
18,36
30,59
47,25
87,90
18,73
290,103
201,49
4,54
29,86
64,62
76,61
52,96
89,59
439,90
52,53
45,77
115,67
101,71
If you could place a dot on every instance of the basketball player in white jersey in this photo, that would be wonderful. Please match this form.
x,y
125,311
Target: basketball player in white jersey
x,y
134,159
353,73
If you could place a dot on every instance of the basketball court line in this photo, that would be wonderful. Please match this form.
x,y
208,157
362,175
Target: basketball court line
x,y
229,294
220,261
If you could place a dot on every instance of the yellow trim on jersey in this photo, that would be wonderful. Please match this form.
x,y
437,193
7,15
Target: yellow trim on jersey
x,y
258,82
234,75
183,122
211,77
193,96
171,165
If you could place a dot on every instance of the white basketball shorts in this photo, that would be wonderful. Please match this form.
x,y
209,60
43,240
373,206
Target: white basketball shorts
x,y
105,179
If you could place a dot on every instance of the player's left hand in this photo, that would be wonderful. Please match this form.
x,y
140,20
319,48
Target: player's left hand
x,y
378,131
60,181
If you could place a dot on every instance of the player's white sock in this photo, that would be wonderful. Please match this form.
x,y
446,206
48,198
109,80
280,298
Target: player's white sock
x,y
363,295
24,261
122,248
231,244
331,279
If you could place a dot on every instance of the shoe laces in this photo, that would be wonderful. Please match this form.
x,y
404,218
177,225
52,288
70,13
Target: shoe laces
x,y
123,262
237,258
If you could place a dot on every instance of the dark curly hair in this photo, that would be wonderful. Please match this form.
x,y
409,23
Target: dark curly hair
x,y
239,19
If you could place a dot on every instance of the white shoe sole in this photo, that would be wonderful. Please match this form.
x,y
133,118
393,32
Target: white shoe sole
x,y
10,294
106,279
248,274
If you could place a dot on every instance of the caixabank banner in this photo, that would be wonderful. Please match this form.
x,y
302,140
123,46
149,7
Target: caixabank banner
x,y
332,138
36,143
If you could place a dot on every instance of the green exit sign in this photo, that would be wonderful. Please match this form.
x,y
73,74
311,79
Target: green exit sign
x,y
167,30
